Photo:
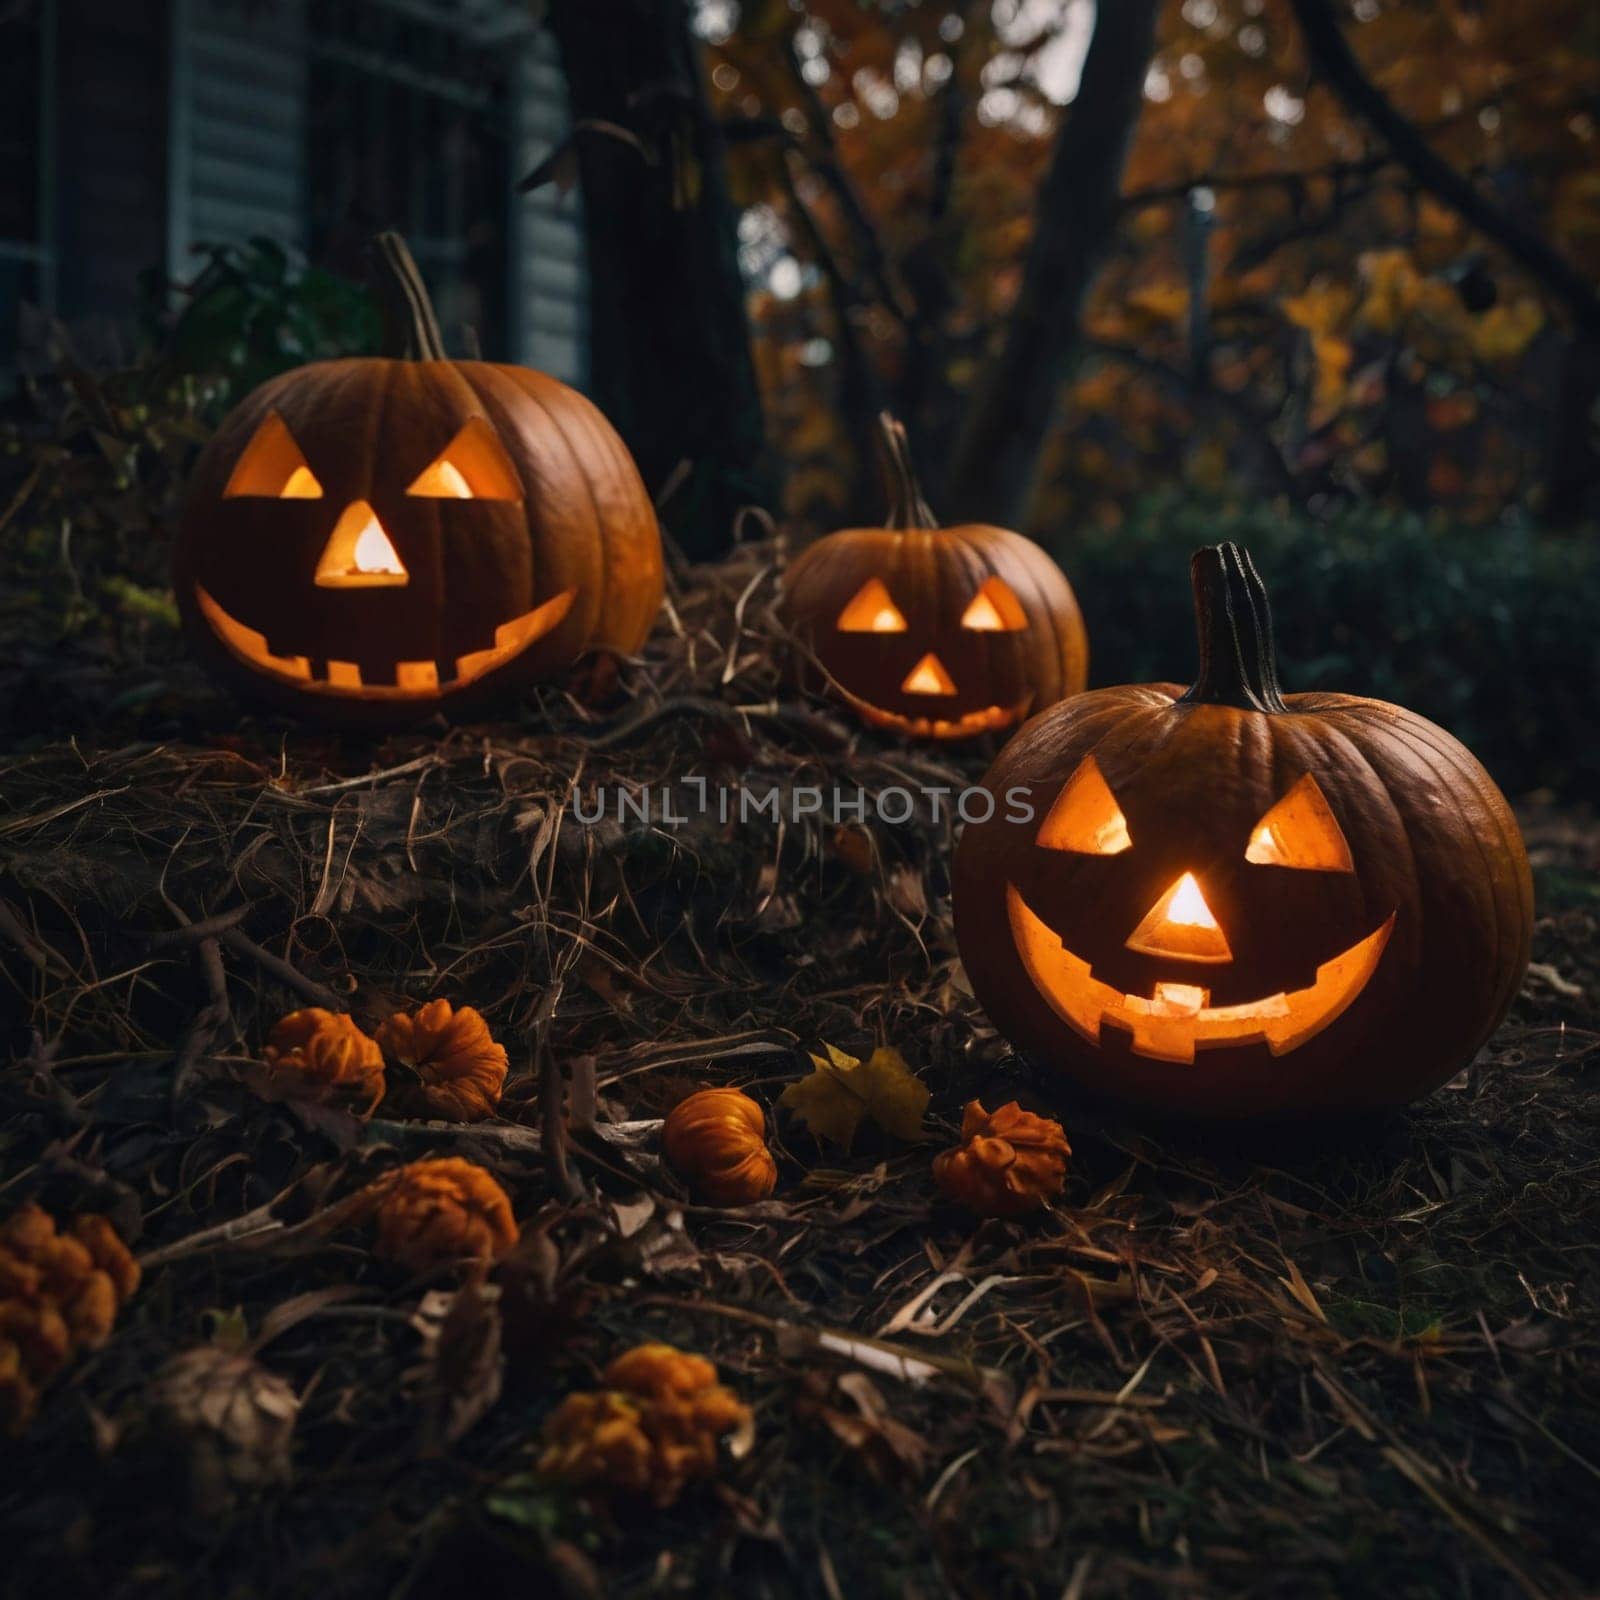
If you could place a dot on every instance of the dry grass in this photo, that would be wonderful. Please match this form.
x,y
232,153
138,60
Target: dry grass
x,y
1362,1367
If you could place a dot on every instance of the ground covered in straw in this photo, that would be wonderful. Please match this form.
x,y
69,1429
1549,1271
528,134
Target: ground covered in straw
x,y
1365,1367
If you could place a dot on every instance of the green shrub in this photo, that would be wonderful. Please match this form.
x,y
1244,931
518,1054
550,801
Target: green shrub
x,y
93,464
1490,632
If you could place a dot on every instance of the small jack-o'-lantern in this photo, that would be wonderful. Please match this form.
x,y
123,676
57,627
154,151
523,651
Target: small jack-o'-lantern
x,y
1229,903
938,633
376,538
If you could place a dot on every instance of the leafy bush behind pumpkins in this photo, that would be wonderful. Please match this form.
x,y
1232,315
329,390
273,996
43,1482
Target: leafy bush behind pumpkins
x,y
1490,632
93,463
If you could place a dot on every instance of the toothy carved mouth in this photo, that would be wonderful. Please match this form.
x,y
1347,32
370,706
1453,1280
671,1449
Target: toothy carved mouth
x,y
413,680
962,727
1177,1020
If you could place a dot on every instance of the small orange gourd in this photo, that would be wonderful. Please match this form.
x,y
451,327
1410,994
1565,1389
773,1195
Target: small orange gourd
x,y
716,1141
1009,1162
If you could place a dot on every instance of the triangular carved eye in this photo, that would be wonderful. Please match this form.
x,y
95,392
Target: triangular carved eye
x,y
1086,818
273,466
872,611
473,466
1301,831
994,609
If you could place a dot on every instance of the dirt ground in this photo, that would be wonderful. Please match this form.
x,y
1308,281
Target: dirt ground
x,y
1366,1364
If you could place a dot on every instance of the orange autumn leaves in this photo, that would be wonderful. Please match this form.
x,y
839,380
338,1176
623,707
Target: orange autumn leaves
x,y
459,1068
60,1292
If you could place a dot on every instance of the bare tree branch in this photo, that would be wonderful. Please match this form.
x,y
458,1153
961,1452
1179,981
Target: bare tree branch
x,y
1335,62
861,395
826,164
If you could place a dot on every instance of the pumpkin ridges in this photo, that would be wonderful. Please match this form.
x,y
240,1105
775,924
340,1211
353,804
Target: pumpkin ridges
x,y
634,580
563,519
1357,787
1488,903
414,383
591,598
1493,809
616,524
1038,660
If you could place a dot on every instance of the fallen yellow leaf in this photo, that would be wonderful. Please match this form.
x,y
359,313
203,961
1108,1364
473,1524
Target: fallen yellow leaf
x,y
883,1089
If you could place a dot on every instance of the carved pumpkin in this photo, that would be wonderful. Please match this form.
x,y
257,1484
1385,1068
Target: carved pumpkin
x,y
1229,903
937,633
376,538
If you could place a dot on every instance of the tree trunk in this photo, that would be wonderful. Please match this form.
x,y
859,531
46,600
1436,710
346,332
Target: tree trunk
x,y
670,353
997,454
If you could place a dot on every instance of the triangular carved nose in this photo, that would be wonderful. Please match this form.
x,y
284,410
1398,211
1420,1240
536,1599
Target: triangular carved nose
x,y
928,677
1180,925
359,554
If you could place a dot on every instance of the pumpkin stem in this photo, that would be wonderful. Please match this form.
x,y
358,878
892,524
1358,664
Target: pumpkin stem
x,y
907,508
1238,666
410,328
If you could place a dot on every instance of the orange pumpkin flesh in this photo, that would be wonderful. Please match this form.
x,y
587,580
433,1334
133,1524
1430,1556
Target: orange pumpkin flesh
x,y
1231,903
935,633
374,537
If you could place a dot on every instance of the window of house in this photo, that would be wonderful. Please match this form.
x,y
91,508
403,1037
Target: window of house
x,y
408,128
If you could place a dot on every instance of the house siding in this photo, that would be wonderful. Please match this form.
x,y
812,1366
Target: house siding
x,y
237,150
550,284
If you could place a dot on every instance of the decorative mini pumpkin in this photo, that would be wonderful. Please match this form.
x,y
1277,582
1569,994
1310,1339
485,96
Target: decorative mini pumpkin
x,y
317,1054
442,1210
461,1067
378,538
654,1427
1009,1162
60,1292
1230,903
939,633
716,1141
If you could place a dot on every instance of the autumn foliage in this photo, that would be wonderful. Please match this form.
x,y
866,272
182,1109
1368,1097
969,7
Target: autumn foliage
x,y
1284,310
651,1430
59,1294
1009,1162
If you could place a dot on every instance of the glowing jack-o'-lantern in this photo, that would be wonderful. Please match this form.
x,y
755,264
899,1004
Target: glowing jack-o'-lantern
x,y
937,633
386,537
1232,903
